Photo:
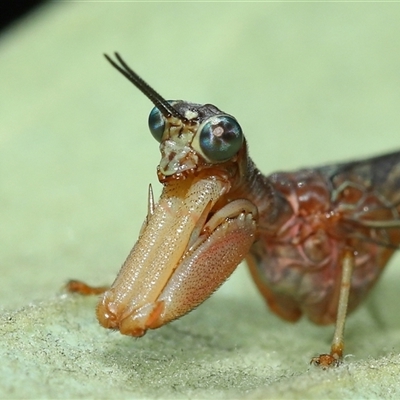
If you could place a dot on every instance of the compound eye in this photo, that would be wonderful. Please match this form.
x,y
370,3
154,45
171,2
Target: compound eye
x,y
220,138
156,124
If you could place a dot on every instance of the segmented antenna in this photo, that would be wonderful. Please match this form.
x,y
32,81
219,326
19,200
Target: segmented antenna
x,y
165,108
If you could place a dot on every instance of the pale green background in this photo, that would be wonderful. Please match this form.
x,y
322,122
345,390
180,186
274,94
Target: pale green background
x,y
310,83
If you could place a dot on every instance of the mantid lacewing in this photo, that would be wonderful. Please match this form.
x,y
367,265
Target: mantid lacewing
x,y
316,240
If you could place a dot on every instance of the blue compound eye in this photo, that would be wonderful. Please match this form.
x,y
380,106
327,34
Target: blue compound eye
x,y
220,138
156,124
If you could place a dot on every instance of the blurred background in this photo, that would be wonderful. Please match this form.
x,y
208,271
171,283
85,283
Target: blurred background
x,y
12,11
310,83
